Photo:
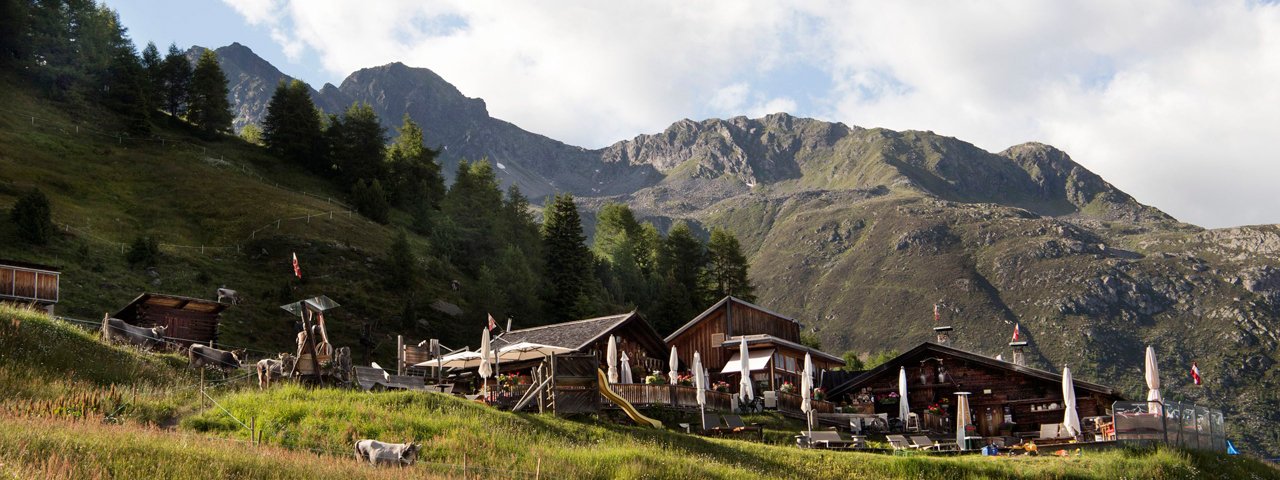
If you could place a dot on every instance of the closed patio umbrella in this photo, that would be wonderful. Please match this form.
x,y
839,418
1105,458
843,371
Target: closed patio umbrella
x,y
626,370
806,392
673,363
611,357
1153,383
1070,419
904,409
486,369
744,385
700,384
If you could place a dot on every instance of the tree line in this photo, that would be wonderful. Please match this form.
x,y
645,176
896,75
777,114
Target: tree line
x,y
77,51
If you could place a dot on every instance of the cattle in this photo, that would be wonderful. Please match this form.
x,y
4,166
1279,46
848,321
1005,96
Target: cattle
x,y
379,453
270,369
114,329
200,356
230,294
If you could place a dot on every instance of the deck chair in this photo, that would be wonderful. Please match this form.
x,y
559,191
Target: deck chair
x,y
407,382
898,442
923,442
369,378
736,425
831,439
712,425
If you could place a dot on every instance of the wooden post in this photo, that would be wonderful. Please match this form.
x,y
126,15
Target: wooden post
x,y
202,387
399,354
253,431
537,472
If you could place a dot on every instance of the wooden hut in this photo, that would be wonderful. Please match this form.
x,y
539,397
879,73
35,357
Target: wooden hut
x,y
634,336
1005,399
773,343
187,320
25,283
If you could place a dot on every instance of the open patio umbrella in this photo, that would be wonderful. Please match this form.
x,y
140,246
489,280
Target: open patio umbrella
x,y
700,384
1070,419
806,392
611,357
904,409
744,385
486,369
962,418
673,363
520,351
626,370
460,359
1153,383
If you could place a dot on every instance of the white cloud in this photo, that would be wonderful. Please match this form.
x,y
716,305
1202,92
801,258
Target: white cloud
x,y
1174,102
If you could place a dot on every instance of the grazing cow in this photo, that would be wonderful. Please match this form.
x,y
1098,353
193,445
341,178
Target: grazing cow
x,y
230,294
114,329
200,356
375,452
270,369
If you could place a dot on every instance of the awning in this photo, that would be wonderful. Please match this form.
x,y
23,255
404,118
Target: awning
x,y
758,361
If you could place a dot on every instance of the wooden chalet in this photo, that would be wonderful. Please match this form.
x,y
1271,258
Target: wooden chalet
x,y
188,320
634,336
23,283
773,344
1001,393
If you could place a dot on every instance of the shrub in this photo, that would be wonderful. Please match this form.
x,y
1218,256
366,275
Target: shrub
x,y
144,250
33,217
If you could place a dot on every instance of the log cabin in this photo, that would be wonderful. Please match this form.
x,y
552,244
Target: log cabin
x,y
773,344
635,336
23,283
187,320
1005,399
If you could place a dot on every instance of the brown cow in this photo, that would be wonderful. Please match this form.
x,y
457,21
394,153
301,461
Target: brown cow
x,y
200,356
270,369
115,329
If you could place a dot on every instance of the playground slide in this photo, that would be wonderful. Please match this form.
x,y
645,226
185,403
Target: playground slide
x,y
622,402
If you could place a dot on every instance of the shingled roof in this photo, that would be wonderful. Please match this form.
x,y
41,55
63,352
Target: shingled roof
x,y
577,334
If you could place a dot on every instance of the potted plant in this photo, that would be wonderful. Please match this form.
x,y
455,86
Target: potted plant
x,y
655,378
787,387
935,409
685,380
721,386
819,394
890,399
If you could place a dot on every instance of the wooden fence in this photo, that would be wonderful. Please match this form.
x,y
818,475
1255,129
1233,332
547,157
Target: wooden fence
x,y
642,395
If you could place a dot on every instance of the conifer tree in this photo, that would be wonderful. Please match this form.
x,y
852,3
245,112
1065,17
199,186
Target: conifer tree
x,y
153,81
175,73
291,129
402,264
34,217
416,175
357,144
680,260
474,203
126,92
209,108
726,271
568,261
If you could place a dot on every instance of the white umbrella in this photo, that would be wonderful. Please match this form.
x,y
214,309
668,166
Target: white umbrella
x,y
745,390
1153,383
520,351
674,362
806,392
700,383
962,418
1070,419
626,370
486,369
462,359
611,357
904,410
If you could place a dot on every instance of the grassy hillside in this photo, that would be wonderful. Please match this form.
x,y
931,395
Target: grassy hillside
x,y
223,212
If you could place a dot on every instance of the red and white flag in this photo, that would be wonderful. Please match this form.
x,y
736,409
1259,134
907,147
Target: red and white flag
x,y
297,271
492,323
1195,373
1017,332
937,314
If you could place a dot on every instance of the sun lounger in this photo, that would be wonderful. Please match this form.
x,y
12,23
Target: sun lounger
x,y
736,425
407,382
898,442
922,442
370,378
831,439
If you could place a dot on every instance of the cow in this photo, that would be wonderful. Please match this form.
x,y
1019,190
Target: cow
x,y
270,369
114,329
200,356
375,452
230,294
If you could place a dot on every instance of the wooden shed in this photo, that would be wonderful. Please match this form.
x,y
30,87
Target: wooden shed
x,y
634,336
188,320
26,283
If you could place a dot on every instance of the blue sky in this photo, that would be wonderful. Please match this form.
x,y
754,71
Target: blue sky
x,y
1172,101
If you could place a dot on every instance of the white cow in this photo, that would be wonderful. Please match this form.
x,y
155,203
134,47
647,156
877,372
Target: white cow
x,y
379,453
230,294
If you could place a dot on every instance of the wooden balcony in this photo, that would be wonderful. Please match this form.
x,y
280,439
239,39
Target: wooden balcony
x,y
687,397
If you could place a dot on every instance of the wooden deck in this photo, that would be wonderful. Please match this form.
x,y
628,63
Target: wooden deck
x,y
687,397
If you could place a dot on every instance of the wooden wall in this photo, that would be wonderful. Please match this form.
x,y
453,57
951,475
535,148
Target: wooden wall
x,y
185,327
28,284
742,320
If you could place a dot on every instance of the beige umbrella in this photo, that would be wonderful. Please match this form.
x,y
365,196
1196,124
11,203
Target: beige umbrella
x,y
520,351
463,359
962,418
806,392
611,357
1071,418
904,409
626,369
486,370
1152,375
700,384
744,385
673,362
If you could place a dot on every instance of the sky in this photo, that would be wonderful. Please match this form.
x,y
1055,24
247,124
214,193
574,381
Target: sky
x,y
1175,102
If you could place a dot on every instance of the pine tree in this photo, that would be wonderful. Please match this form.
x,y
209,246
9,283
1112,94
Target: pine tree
x,y
209,108
568,261
370,200
14,28
153,81
418,182
726,272
292,130
175,74
357,144
681,260
474,203
402,264
126,92
34,217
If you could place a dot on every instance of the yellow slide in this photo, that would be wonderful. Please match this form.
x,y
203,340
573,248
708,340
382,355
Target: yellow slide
x,y
622,402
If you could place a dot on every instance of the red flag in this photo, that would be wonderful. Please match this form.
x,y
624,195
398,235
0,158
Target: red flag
x,y
937,315
1195,373
492,323
297,271
1017,332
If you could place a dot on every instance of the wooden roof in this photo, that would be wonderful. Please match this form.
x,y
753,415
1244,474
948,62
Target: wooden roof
x,y
706,313
581,334
188,304
772,340
29,266
942,350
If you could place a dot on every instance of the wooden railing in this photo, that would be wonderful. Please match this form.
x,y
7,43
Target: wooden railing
x,y
790,402
642,395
